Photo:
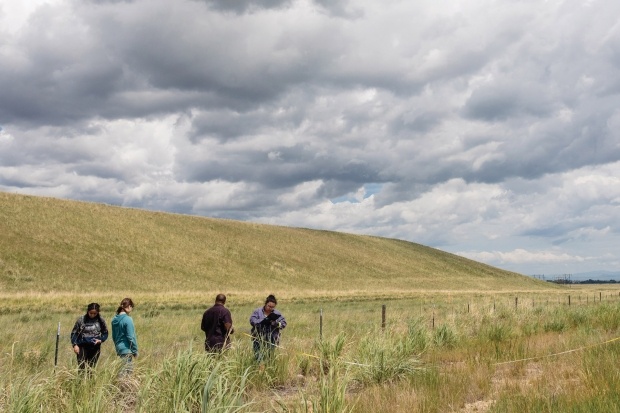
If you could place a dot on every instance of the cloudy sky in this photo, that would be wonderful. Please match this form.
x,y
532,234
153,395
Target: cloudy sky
x,y
486,128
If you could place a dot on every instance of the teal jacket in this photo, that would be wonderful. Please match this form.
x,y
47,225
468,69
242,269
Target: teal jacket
x,y
124,335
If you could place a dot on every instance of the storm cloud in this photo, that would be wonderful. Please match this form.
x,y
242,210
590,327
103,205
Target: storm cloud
x,y
481,128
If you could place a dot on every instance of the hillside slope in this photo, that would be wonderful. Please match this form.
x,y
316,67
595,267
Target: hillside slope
x,y
52,245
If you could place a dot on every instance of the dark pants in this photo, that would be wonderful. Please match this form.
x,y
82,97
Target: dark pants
x,y
216,345
88,356
263,349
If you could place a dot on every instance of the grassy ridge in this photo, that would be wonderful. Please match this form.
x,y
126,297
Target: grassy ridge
x,y
49,245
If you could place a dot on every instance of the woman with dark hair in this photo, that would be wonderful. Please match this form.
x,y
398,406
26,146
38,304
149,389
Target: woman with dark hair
x,y
89,331
124,334
266,324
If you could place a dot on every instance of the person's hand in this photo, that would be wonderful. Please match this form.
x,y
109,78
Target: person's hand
x,y
97,342
76,349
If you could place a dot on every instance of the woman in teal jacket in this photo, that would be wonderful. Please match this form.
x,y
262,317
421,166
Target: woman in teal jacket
x,y
124,334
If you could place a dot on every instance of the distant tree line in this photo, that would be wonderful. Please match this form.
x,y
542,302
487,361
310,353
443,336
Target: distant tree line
x,y
567,279
588,281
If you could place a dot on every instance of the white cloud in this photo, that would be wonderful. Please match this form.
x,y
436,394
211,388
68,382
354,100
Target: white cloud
x,y
520,256
490,130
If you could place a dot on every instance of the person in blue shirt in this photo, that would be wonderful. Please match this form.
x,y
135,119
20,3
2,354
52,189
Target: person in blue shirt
x,y
266,322
89,331
124,334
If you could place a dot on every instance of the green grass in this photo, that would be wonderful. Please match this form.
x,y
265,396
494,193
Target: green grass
x,y
451,323
502,357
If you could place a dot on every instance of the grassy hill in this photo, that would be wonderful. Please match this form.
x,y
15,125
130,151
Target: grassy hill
x,y
53,246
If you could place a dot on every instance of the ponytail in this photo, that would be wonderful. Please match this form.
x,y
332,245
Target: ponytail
x,y
124,304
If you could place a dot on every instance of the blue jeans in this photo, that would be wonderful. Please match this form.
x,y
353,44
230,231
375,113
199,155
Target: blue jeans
x,y
127,368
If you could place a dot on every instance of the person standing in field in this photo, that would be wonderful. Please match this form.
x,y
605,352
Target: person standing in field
x,y
266,322
124,335
89,331
217,325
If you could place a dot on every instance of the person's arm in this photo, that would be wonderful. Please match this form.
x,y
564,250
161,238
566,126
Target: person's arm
x,y
256,317
203,325
75,333
281,321
75,336
228,323
130,331
104,330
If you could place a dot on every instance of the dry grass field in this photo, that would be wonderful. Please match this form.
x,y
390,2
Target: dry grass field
x,y
50,246
459,336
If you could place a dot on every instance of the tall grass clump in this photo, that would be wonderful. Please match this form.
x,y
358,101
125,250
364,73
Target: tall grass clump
x,y
224,391
272,371
498,334
24,395
445,336
31,358
193,382
607,316
331,352
383,358
94,390
334,379
332,394
417,340
578,317
66,390
177,384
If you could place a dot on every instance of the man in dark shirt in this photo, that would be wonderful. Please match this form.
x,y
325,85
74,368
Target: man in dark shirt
x,y
217,325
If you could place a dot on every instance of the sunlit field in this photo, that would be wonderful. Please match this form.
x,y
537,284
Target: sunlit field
x,y
50,247
434,351
374,324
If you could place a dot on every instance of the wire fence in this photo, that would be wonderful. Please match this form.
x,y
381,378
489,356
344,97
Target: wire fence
x,y
431,311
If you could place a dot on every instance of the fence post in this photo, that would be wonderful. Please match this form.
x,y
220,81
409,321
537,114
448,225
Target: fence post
x,y
516,303
321,325
569,300
56,353
383,317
